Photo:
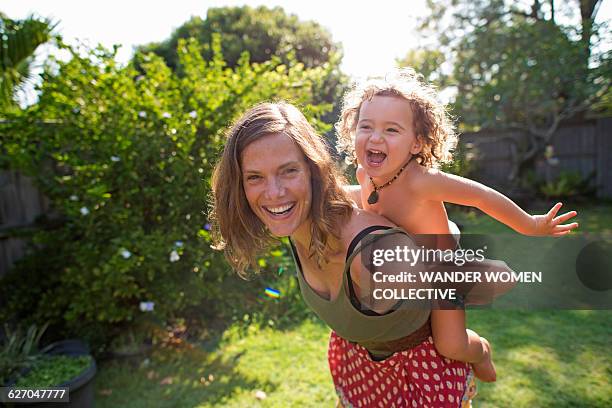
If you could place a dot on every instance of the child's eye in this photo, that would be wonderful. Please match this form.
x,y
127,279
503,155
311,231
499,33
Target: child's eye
x,y
365,127
392,130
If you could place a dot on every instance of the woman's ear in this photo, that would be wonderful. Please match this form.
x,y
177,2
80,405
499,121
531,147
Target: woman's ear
x,y
417,146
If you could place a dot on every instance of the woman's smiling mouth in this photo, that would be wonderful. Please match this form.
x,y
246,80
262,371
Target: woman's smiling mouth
x,y
280,210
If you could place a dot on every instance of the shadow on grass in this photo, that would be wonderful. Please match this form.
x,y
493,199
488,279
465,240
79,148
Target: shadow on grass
x,y
183,377
548,358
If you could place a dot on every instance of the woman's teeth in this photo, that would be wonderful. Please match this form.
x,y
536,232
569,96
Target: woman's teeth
x,y
280,210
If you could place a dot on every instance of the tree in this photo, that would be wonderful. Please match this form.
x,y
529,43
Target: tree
x,y
516,66
264,33
261,31
426,62
19,39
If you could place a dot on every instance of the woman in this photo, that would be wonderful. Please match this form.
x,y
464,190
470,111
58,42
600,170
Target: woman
x,y
276,179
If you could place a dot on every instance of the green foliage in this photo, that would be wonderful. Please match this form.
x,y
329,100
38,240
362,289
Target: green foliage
x,y
125,158
19,351
426,62
464,160
265,34
52,371
262,32
516,67
19,39
520,75
568,184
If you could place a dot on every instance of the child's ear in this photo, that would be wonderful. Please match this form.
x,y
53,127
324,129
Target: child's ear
x,y
417,146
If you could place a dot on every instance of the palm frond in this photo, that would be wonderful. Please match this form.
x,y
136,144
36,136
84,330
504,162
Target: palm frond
x,y
19,39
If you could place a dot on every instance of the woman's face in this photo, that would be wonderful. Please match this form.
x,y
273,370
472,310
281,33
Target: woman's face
x,y
277,183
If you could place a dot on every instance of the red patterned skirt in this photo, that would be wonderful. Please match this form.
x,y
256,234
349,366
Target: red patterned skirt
x,y
417,377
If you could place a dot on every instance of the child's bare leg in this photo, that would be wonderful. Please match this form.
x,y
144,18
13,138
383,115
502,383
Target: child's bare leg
x,y
485,369
453,340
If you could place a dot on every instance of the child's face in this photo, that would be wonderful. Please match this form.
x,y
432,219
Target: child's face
x,y
385,138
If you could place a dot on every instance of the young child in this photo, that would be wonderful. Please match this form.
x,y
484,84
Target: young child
x,y
399,133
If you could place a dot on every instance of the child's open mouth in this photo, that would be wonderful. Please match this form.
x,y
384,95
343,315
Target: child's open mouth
x,y
375,158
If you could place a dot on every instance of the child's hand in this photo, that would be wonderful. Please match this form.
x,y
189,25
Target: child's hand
x,y
550,224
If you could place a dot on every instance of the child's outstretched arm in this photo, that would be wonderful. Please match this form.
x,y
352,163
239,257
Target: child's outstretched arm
x,y
440,186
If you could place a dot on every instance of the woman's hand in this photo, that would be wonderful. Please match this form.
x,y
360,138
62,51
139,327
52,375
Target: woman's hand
x,y
551,224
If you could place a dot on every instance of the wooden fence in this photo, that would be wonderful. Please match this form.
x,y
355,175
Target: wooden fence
x,y
584,148
20,204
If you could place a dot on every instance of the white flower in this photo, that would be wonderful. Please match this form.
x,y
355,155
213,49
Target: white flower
x,y
178,244
126,254
74,198
174,256
260,395
84,210
166,115
147,306
193,114
142,114
115,158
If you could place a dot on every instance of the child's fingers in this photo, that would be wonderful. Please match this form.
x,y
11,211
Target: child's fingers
x,y
564,217
560,234
565,227
553,211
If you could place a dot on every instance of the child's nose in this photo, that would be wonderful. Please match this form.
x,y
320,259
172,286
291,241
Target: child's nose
x,y
376,136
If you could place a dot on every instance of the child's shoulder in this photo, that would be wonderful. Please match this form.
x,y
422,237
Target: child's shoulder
x,y
420,177
362,219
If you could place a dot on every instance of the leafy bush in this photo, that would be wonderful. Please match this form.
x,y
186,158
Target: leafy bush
x,y
52,371
19,351
567,184
464,160
125,158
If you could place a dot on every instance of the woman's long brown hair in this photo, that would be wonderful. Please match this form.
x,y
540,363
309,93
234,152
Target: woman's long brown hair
x,y
236,229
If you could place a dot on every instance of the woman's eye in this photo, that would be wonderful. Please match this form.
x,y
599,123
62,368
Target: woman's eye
x,y
253,177
291,170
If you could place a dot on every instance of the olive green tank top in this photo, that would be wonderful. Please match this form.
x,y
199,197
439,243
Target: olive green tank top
x,y
345,318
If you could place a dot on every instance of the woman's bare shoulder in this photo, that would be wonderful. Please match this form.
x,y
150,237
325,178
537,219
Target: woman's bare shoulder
x,y
360,220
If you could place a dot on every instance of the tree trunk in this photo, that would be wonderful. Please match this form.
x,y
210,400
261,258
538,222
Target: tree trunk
x,y
588,11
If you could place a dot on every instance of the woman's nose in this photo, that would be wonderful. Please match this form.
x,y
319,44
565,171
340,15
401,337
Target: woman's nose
x,y
274,188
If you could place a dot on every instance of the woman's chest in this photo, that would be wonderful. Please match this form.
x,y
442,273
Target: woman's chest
x,y
325,280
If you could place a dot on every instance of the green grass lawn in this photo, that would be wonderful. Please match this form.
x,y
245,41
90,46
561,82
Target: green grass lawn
x,y
543,359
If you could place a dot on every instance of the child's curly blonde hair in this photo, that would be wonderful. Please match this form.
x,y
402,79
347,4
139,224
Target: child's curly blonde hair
x,y
432,123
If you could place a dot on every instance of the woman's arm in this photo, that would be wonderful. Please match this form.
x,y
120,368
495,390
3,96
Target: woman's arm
x,y
439,186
